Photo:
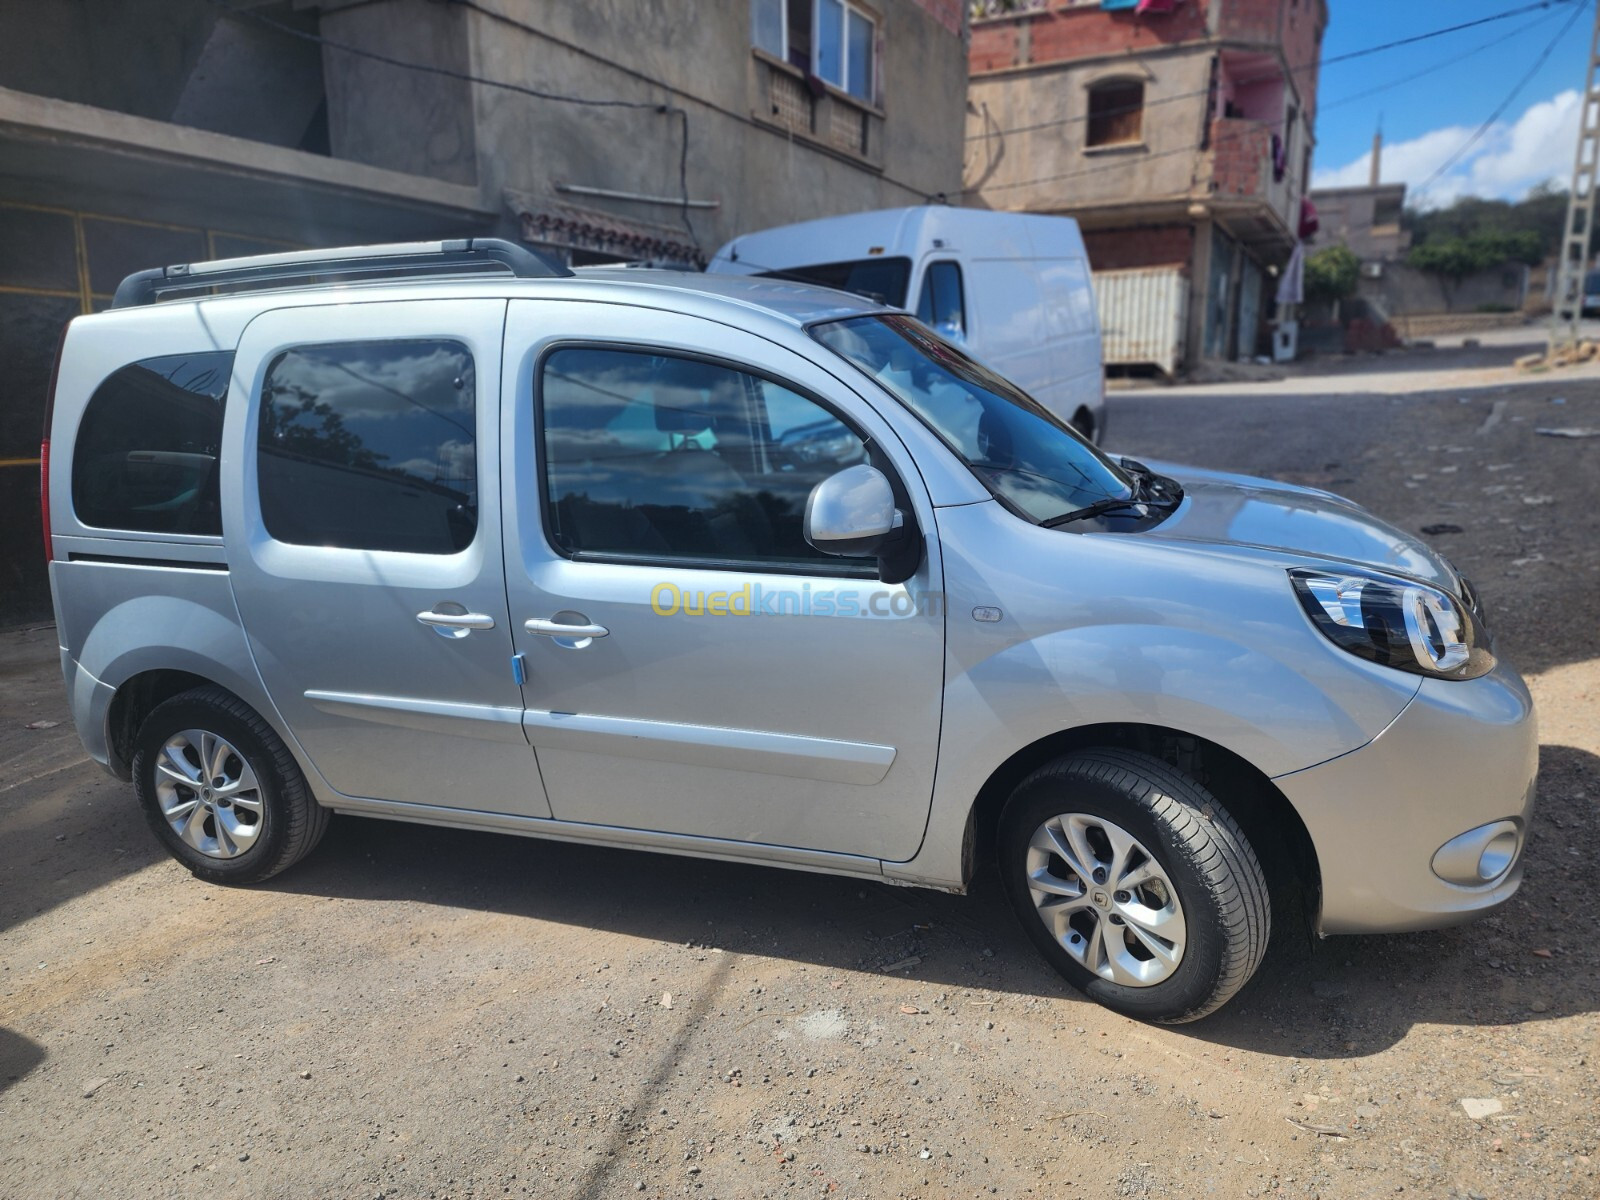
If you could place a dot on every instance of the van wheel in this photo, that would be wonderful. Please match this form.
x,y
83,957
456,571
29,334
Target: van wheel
x,y
1135,883
222,791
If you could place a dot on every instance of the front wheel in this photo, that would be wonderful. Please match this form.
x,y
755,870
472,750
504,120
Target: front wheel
x,y
1135,883
221,790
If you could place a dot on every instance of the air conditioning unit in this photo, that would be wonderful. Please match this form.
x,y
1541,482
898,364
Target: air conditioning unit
x,y
1372,270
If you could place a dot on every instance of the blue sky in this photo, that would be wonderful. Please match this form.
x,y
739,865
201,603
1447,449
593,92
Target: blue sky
x,y
1436,94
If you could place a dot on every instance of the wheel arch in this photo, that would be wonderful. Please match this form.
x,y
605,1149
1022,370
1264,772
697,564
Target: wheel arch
x,y
138,695
1269,820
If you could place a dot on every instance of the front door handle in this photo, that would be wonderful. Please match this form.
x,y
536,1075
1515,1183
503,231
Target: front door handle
x,y
556,629
456,624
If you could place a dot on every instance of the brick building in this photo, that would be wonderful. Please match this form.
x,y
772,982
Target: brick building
x,y
1178,132
137,133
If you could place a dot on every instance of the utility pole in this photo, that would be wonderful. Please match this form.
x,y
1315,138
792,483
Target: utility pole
x,y
1574,262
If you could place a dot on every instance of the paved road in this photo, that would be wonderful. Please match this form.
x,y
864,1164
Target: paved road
x,y
426,1013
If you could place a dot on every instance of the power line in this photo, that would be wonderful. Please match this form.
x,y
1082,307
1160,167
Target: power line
x,y
1438,66
466,77
1544,5
1226,135
1422,37
1544,56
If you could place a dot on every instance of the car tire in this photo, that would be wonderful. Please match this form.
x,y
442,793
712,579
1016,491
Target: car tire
x,y
1135,883
244,818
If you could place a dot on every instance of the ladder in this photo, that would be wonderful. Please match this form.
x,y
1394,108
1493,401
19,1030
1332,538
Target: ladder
x,y
1573,267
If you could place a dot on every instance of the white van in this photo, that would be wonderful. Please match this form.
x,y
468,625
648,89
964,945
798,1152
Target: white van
x,y
1012,288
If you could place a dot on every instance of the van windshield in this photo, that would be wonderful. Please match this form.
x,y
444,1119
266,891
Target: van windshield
x,y
1026,455
882,279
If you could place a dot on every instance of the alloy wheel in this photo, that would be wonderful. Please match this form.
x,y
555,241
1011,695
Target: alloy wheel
x,y
1106,899
208,793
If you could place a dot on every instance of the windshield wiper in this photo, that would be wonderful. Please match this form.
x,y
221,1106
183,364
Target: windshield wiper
x,y
1112,504
1149,485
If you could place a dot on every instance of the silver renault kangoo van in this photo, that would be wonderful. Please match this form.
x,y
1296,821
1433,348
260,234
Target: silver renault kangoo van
x,y
756,571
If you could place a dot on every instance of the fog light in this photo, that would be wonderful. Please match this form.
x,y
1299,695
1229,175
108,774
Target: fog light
x,y
1479,856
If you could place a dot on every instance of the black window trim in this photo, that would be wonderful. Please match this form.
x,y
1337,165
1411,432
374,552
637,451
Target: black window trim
x,y
848,568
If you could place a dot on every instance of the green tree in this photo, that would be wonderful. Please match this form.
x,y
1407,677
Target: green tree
x,y
1332,274
1454,258
1542,213
1458,257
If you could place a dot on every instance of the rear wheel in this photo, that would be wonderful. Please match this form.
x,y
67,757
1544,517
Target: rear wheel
x,y
221,790
1135,883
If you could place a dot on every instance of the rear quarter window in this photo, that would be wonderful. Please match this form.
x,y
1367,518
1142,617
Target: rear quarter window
x,y
147,450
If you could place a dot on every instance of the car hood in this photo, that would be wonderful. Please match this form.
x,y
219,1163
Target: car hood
x,y
1240,510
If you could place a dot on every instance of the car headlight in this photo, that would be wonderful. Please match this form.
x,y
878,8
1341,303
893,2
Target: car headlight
x,y
1401,624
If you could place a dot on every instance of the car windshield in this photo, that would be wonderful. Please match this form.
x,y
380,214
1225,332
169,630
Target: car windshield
x,y
1026,455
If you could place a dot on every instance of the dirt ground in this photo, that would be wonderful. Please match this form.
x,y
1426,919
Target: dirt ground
x,y
427,1013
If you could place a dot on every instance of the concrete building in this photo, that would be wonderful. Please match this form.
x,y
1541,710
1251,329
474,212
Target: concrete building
x,y
1366,219
135,133
1177,132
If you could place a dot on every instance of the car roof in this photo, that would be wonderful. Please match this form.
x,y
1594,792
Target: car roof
x,y
792,304
801,303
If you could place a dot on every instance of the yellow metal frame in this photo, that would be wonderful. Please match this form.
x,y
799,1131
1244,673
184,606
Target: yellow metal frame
x,y
87,298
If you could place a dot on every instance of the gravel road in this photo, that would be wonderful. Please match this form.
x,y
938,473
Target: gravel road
x,y
428,1013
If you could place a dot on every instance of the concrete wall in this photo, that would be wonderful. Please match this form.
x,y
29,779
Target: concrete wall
x,y
1403,290
1051,168
392,117
169,60
699,59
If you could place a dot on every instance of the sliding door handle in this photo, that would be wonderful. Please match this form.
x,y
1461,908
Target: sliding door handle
x,y
457,624
556,629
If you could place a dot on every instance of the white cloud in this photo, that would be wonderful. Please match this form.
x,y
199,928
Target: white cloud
x,y
1508,160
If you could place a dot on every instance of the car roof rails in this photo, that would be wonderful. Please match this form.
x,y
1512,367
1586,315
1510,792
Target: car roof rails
x,y
456,257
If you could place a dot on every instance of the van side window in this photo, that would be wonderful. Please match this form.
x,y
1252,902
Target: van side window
x,y
882,279
657,456
147,448
370,446
942,306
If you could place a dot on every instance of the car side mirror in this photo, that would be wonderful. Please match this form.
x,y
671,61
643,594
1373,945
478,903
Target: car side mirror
x,y
852,514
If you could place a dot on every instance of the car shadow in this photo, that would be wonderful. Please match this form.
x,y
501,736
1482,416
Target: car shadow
x,y
1341,998
18,1056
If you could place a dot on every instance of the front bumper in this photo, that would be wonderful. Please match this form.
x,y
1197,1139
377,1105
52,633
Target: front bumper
x,y
1462,755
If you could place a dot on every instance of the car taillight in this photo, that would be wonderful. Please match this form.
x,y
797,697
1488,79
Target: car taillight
x,y
44,497
44,447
